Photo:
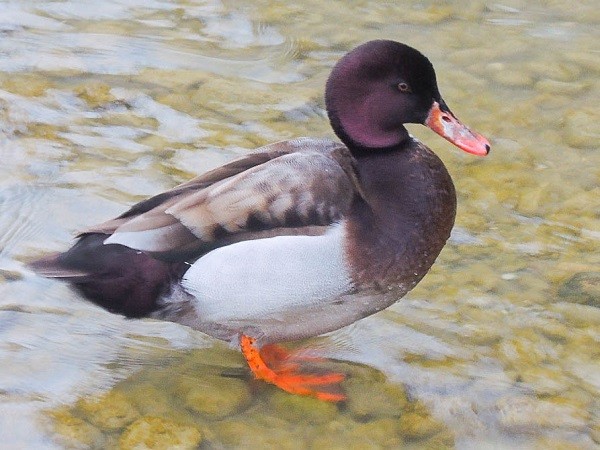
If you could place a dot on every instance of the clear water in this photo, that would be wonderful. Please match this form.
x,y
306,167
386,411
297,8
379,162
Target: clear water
x,y
105,103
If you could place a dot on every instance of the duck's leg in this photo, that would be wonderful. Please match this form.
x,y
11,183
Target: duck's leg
x,y
275,365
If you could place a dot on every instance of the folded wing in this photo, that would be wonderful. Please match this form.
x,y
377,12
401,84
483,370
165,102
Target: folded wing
x,y
288,188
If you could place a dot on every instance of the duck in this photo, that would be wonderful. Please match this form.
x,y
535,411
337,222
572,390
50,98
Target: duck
x,y
294,239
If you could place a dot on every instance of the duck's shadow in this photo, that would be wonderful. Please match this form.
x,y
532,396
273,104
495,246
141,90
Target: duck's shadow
x,y
207,398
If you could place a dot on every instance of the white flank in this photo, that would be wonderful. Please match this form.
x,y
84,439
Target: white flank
x,y
263,277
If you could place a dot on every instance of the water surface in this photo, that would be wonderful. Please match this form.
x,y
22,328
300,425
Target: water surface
x,y
103,104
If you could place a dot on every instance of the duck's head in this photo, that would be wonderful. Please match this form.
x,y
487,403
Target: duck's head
x,y
381,85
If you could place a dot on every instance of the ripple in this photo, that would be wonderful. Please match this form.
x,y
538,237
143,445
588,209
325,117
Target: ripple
x,y
20,216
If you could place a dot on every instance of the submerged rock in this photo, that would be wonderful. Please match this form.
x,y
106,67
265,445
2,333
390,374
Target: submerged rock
x,y
95,94
369,395
158,433
581,129
543,380
414,426
202,407
582,288
213,396
345,434
9,275
74,432
110,411
255,431
375,399
297,409
527,415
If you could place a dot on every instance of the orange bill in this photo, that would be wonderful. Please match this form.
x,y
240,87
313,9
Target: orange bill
x,y
441,120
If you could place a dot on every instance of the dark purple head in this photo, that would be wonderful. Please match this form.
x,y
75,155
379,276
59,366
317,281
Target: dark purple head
x,y
381,85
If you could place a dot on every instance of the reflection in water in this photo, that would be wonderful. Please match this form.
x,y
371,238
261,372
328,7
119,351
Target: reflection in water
x,y
104,104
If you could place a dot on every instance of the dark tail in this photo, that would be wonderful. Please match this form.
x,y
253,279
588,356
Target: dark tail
x,y
116,277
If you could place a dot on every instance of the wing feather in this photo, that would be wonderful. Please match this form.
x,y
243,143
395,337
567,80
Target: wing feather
x,y
291,187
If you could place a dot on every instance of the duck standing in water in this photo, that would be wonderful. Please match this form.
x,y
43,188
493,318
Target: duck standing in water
x,y
298,238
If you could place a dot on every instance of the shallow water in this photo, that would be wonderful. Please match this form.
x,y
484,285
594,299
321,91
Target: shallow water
x,y
103,104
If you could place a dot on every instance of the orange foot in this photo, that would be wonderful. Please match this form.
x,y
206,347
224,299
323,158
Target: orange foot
x,y
275,365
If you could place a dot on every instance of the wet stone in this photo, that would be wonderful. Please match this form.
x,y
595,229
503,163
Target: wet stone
x,y
158,433
582,288
110,411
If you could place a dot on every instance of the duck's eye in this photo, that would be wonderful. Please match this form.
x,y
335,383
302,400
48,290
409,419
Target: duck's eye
x,y
404,87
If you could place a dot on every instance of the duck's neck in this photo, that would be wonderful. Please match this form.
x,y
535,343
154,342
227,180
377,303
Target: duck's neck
x,y
405,218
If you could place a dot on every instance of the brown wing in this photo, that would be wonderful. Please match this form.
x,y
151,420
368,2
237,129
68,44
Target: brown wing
x,y
291,187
